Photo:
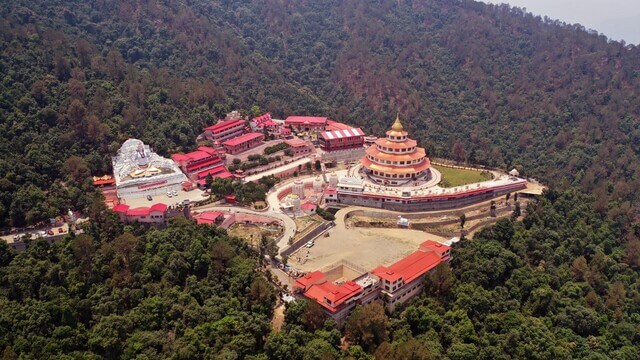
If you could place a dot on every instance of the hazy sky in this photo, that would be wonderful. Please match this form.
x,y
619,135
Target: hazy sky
x,y
617,19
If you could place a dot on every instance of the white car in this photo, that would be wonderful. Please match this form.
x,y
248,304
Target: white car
x,y
175,193
310,244
169,194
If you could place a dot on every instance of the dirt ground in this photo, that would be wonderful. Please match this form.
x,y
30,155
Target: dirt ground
x,y
253,233
365,247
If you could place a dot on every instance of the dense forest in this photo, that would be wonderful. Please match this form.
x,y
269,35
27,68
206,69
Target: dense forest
x,y
486,84
558,285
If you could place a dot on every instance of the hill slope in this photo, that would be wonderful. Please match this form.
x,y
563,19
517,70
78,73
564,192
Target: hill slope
x,y
500,86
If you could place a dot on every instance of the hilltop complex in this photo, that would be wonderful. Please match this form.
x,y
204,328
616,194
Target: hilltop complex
x,y
396,174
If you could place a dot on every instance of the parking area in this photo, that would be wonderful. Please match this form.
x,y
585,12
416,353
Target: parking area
x,y
193,195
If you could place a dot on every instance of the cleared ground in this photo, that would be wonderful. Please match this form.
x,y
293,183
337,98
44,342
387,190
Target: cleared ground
x,y
253,233
364,247
456,177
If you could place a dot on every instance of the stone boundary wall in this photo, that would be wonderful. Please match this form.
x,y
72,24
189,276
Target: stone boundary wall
x,y
344,155
310,236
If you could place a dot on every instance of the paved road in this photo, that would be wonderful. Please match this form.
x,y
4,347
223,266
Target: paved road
x,y
289,225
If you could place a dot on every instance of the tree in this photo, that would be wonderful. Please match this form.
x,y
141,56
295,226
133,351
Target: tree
x,y
83,249
463,219
615,298
313,316
516,210
76,169
255,111
367,326
579,268
318,165
492,208
459,152
440,281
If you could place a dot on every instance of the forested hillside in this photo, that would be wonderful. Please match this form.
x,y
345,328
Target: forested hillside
x,y
479,83
487,84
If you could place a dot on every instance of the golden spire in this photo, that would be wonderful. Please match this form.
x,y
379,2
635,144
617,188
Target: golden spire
x,y
397,125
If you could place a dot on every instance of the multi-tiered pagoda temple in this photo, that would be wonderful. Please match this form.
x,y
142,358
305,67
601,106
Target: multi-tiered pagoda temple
x,y
396,159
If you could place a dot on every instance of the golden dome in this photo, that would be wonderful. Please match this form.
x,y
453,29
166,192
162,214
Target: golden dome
x,y
397,125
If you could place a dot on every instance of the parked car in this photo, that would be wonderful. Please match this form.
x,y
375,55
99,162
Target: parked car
x,y
149,197
60,231
50,232
169,194
175,193
310,244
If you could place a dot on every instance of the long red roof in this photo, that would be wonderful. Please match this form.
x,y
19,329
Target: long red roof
x,y
336,294
212,172
200,165
409,268
225,125
305,119
339,134
242,139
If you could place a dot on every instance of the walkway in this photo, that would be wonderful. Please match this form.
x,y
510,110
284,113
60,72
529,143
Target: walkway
x,y
278,170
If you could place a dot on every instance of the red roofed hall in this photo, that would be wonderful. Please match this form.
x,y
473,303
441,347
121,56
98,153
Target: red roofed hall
x,y
196,161
306,123
224,130
346,139
243,142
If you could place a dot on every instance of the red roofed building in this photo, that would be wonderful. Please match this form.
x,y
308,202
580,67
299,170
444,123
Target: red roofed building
x,y
262,121
224,130
210,217
306,123
341,139
395,284
309,208
404,279
285,132
338,300
299,147
243,142
197,161
334,125
156,214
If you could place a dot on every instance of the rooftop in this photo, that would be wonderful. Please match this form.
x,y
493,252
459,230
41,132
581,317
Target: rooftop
x,y
339,134
224,125
295,142
242,139
309,279
208,217
335,294
334,125
409,268
306,120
